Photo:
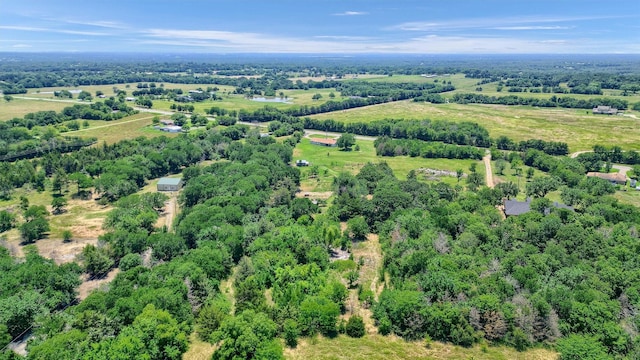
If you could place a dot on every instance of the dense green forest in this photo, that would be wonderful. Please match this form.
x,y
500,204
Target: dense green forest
x,y
457,271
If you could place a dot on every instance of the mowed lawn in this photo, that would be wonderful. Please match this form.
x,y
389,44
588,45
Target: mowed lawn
x,y
377,347
579,128
332,161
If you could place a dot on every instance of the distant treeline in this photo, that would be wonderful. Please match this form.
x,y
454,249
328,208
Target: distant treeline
x,y
553,101
385,146
588,82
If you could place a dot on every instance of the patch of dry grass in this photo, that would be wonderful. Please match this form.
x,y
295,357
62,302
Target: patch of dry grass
x,y
374,347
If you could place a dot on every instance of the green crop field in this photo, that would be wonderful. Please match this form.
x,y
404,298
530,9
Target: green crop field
x,y
579,128
332,161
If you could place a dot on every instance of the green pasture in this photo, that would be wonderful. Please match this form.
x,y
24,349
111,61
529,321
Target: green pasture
x,y
577,127
18,108
332,161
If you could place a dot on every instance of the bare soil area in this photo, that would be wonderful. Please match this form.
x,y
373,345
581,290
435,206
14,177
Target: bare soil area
x,y
88,285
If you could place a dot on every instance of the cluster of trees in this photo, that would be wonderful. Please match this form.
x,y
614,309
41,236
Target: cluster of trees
x,y
461,133
553,101
386,146
110,109
32,288
548,147
460,274
605,156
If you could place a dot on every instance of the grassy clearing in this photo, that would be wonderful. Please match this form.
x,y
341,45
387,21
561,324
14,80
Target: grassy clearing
x,y
579,128
198,349
20,107
129,127
332,161
373,347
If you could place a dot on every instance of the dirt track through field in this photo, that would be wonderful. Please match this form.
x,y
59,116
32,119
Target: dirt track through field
x,y
487,166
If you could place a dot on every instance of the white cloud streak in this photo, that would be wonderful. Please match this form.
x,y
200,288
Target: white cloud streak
x,y
51,30
518,28
212,40
491,23
351,13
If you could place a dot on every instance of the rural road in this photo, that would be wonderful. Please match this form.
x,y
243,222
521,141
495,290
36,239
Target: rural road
x,y
622,169
489,174
52,100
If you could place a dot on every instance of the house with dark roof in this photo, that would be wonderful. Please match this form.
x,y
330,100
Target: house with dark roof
x,y
514,207
614,178
324,142
606,110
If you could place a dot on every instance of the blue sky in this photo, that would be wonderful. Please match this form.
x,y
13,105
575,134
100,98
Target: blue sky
x,y
322,26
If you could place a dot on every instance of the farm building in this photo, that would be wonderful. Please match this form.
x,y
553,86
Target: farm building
x,y
614,178
323,142
607,110
169,184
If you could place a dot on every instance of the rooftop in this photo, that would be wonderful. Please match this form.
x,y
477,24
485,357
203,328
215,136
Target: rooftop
x,y
323,141
169,181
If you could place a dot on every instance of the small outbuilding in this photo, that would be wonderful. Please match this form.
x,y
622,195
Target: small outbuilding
x,y
302,163
606,110
324,142
169,184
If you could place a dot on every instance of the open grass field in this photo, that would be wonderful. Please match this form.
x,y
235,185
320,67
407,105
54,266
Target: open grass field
x,y
20,107
332,161
579,128
129,127
377,347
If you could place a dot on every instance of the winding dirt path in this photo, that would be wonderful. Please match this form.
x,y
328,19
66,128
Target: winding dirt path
x,y
488,173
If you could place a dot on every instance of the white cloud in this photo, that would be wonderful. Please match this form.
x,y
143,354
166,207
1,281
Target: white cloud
x,y
21,46
532,28
344,37
213,40
516,23
351,13
60,31
102,24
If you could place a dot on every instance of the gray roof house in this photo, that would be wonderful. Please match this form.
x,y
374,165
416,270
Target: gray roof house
x,y
515,207
169,184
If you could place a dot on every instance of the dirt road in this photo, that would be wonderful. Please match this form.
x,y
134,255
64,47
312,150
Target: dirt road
x,y
488,173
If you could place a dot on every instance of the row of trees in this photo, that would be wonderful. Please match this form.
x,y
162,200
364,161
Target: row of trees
x,y
553,101
386,146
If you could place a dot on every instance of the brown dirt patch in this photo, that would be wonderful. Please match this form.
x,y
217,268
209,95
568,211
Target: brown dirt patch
x,y
61,252
88,285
